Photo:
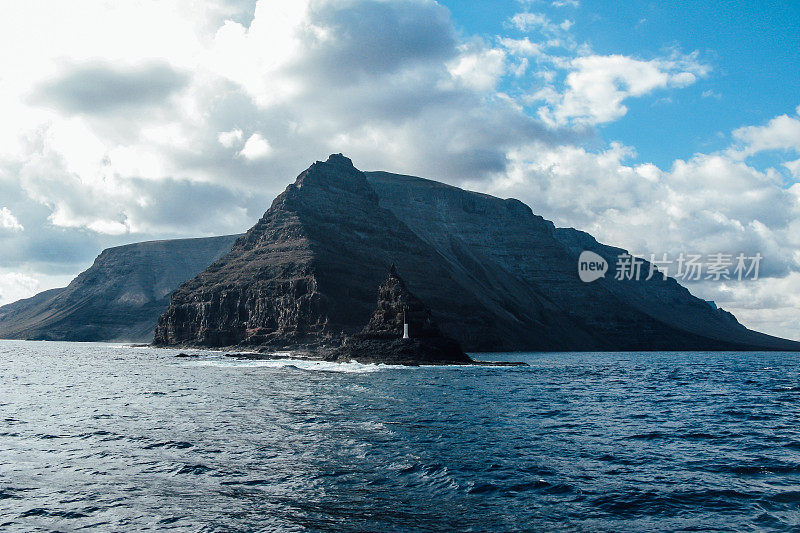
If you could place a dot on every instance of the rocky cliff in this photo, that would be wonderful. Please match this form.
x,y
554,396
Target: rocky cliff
x,y
307,272
499,247
382,340
495,276
119,298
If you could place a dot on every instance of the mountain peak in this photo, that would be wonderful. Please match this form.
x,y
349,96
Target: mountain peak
x,y
335,175
339,160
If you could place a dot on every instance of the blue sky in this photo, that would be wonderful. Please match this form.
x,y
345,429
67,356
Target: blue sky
x,y
660,127
753,49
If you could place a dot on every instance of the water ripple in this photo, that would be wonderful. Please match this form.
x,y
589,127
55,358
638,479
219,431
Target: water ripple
x,y
119,438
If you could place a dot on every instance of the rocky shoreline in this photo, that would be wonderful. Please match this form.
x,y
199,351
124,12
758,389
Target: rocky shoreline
x,y
401,331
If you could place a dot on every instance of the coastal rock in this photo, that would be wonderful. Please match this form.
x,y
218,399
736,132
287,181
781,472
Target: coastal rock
x,y
382,340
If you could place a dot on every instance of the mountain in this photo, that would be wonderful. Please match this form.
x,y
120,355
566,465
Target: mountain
x,y
119,298
495,276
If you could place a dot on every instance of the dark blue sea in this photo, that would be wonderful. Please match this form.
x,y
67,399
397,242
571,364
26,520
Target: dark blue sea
x,y
121,438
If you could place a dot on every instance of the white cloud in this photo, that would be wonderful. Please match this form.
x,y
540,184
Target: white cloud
x,y
527,21
479,69
229,139
521,47
597,86
256,147
16,285
768,304
539,22
794,168
710,202
8,221
781,133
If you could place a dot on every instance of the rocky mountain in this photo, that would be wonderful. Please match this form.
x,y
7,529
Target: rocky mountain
x,y
119,298
495,276
493,246
384,340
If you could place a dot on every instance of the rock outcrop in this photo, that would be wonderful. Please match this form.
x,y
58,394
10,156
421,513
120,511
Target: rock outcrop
x,y
119,298
495,276
381,340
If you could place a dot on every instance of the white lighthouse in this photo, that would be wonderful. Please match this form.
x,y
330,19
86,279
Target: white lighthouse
x,y
405,325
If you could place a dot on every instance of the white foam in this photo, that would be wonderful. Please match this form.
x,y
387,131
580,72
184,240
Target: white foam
x,y
301,364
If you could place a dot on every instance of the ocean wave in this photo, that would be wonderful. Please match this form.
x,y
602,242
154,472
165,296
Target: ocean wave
x,y
300,364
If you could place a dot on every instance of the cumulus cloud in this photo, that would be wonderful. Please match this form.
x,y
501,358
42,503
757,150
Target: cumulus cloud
x,y
229,139
522,47
100,142
256,147
15,285
528,21
8,221
479,69
597,85
711,202
781,133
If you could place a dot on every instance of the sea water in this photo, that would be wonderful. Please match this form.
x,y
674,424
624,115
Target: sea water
x,y
122,438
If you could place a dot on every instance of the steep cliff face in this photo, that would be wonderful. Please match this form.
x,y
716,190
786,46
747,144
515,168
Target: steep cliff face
x,y
306,273
119,298
665,299
499,247
495,276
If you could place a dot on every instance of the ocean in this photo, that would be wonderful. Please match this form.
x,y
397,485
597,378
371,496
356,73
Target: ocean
x,y
120,438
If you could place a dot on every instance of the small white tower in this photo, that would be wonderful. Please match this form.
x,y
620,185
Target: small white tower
x,y
405,325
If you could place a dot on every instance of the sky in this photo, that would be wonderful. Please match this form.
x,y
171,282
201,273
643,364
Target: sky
x,y
660,127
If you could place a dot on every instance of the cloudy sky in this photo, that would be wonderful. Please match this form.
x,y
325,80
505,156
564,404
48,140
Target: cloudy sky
x,y
662,127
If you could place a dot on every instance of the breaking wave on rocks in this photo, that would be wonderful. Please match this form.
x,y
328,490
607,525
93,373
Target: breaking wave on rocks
x,y
300,364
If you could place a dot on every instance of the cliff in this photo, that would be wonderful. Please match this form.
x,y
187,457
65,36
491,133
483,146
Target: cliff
x,y
495,276
119,298
499,247
382,339
306,273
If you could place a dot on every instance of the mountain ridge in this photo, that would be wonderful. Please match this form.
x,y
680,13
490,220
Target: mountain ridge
x,y
497,276
118,298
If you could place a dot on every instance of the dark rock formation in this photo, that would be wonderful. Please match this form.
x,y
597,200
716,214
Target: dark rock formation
x,y
496,276
397,307
525,270
119,298
306,273
381,341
